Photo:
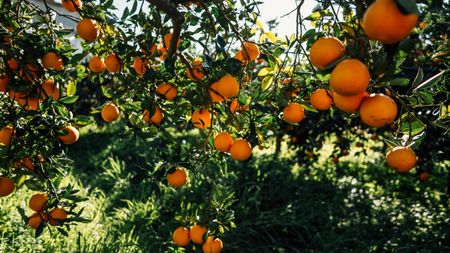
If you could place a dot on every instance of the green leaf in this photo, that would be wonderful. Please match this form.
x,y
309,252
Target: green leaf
x,y
82,120
430,82
267,82
407,7
69,100
71,89
418,79
411,125
399,81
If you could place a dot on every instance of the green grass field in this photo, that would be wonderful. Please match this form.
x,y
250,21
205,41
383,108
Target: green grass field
x,y
358,205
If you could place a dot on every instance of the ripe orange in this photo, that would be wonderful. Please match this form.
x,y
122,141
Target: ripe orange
x,y
321,99
181,236
383,21
97,65
402,159
240,56
212,245
49,89
178,178
201,118
12,63
378,110
32,103
27,163
110,112
71,136
32,73
250,51
167,90
293,113
5,135
349,103
37,202
112,63
156,118
52,60
87,29
228,86
234,105
223,142
350,77
196,233
69,5
18,96
167,38
325,51
6,186
241,150
56,216
4,80
424,176
139,66
214,94
198,73
35,220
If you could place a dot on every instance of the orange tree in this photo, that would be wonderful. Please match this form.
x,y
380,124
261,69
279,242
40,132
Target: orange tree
x,y
169,67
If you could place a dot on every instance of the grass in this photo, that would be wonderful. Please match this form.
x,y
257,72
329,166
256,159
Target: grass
x,y
357,205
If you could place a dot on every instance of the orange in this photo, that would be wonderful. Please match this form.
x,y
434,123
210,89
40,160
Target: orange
x,y
241,150
156,118
424,176
69,5
37,202
32,103
27,163
97,65
223,142
110,112
402,159
87,29
198,73
383,21
240,56
5,135
181,236
228,86
201,118
196,233
12,63
71,136
52,60
293,113
325,51
212,245
167,38
31,74
214,93
350,77
250,51
56,216
177,178
18,96
349,103
49,89
35,220
234,106
139,66
321,99
6,186
167,90
4,80
112,63
378,110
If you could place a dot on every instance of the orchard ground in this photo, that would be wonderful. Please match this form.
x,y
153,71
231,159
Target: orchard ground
x,y
356,205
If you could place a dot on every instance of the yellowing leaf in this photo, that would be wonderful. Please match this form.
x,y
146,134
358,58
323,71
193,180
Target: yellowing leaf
x,y
267,82
271,36
262,38
266,71
259,24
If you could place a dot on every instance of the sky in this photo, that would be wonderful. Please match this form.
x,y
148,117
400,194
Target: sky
x,y
270,9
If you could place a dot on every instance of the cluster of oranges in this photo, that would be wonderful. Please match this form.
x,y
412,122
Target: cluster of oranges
x,y
182,236
350,78
38,203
